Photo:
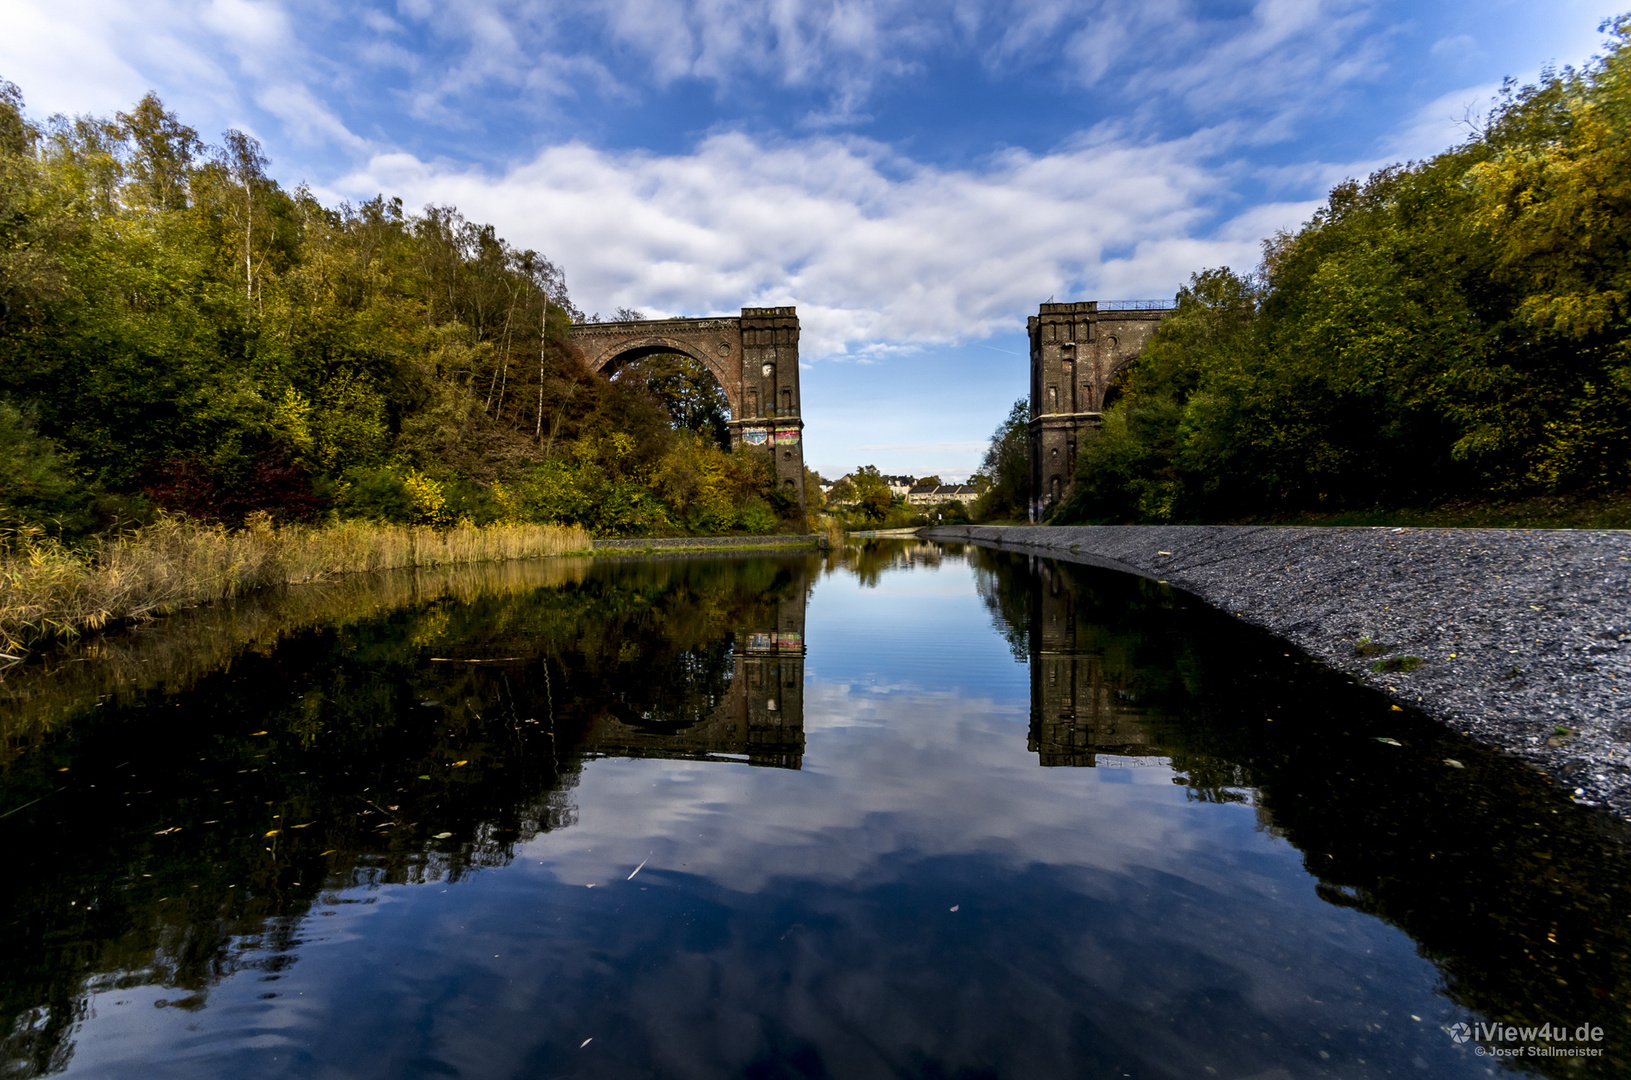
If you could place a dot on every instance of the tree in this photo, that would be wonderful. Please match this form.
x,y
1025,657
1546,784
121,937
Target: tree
x,y
245,163
872,495
1007,465
177,327
687,389
813,495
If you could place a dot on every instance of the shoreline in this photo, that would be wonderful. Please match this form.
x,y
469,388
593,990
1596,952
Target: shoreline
x,y
51,594
1517,632
639,545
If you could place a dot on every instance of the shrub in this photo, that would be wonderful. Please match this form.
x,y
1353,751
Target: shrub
x,y
378,494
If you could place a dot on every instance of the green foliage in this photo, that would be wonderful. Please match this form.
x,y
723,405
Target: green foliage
x,y
686,389
378,494
179,326
38,489
1455,328
872,496
757,517
1006,471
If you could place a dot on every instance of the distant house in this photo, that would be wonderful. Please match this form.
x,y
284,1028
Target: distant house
x,y
936,495
898,486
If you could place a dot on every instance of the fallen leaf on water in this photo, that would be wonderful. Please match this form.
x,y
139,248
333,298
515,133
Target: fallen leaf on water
x,y
424,776
1453,763
441,836
273,832
1387,741
305,826
1395,708
456,764
330,851
252,734
1163,553
586,1042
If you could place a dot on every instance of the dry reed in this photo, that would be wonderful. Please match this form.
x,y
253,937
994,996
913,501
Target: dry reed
x,y
47,590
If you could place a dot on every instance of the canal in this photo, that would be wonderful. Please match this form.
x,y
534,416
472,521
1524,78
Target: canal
x,y
900,810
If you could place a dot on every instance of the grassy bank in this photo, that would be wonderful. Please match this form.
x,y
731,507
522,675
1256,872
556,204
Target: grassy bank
x,y
49,590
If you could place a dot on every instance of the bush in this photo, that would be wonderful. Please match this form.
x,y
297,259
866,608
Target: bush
x,y
758,518
377,494
38,488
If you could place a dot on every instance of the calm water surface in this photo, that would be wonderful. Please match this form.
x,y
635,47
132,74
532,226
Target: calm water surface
x,y
901,811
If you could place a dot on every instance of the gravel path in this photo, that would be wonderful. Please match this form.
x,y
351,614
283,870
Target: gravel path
x,y
1519,632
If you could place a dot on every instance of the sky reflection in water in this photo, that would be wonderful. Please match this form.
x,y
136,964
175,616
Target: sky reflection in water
x,y
851,859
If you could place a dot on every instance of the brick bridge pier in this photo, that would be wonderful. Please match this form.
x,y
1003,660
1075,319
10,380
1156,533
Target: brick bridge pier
x,y
1077,350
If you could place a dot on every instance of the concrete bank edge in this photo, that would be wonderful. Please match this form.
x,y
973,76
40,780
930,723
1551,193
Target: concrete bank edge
x,y
707,543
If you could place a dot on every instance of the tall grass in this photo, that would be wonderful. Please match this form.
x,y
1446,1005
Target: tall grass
x,y
48,590
191,644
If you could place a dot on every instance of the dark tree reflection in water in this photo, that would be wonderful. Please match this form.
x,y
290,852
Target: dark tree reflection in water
x,y
1016,818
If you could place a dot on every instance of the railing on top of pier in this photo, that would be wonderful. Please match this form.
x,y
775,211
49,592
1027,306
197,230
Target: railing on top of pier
x,y
1137,305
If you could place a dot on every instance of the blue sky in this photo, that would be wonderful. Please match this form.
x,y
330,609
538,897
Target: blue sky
x,y
916,177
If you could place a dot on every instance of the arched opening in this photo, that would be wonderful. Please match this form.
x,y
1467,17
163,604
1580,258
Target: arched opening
x,y
688,388
678,694
1117,386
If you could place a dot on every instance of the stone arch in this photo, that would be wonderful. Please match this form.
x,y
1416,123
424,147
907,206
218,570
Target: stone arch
x,y
754,358
626,352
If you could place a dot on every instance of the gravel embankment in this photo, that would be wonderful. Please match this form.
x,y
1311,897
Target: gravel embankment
x,y
1520,632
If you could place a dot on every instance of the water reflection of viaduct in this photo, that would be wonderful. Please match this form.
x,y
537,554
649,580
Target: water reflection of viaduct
x,y
1079,711
760,719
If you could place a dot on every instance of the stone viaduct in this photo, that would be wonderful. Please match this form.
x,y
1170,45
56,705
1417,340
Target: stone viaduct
x,y
755,358
1077,350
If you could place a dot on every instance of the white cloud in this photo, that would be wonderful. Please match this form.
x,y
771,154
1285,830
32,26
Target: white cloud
x,y
872,248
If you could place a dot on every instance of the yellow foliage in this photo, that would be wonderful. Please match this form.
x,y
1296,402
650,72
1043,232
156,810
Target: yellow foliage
x,y
47,589
429,500
291,418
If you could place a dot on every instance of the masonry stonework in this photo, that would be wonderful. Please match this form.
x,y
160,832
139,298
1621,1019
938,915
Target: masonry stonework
x,y
1077,350
754,358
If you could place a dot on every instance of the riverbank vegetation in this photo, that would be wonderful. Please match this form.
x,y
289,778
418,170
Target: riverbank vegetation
x,y
49,589
1451,331
866,500
180,333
